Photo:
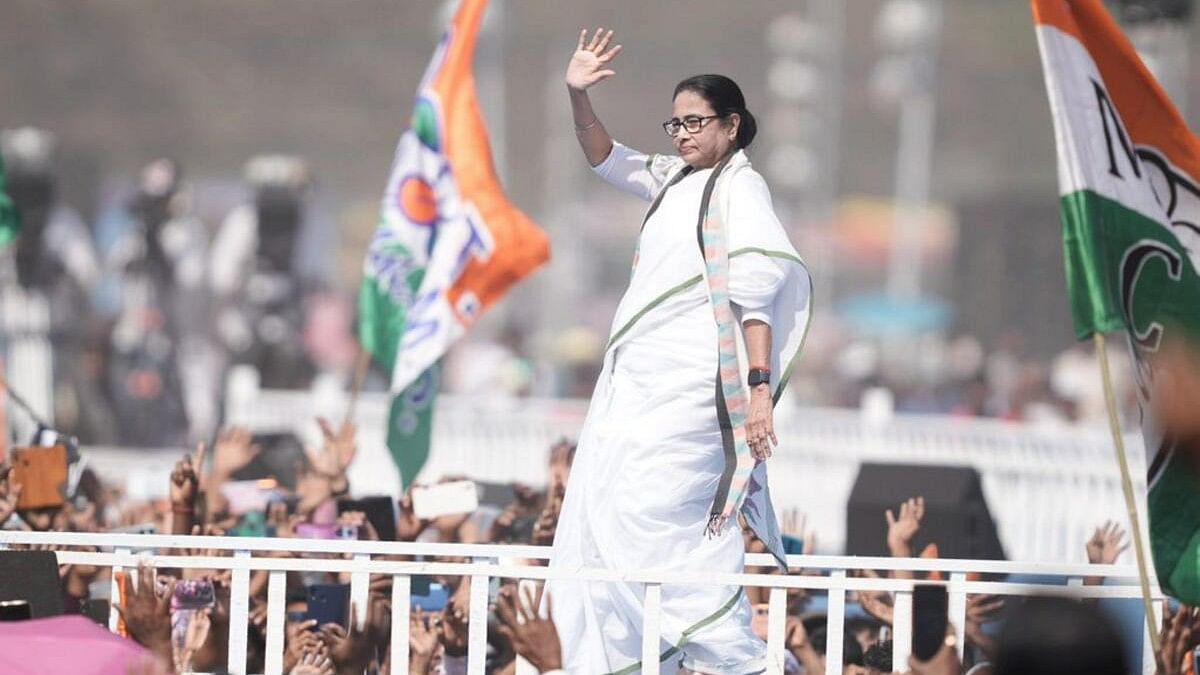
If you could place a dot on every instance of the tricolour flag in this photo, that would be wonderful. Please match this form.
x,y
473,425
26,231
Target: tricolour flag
x,y
448,245
1129,182
8,212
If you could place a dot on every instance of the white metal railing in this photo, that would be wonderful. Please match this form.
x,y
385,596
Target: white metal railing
x,y
1047,488
118,552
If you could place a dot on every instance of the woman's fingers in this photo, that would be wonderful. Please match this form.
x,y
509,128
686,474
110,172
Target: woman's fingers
x,y
582,37
604,42
595,39
610,54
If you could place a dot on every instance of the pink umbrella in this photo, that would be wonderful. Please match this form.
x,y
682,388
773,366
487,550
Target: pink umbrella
x,y
65,645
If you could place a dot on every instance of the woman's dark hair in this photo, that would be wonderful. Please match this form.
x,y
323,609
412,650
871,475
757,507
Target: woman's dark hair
x,y
1056,636
725,97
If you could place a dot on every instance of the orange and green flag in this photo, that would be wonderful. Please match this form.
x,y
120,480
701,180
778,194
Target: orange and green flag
x,y
449,243
1129,190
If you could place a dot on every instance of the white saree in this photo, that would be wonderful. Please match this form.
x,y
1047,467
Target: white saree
x,y
651,457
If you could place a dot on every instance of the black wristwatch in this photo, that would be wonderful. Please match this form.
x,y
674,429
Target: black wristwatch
x,y
758,376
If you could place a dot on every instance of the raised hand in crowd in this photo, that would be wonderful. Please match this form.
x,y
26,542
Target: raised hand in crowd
x,y
146,613
423,640
185,491
314,662
796,639
353,650
233,450
212,654
195,637
901,531
532,637
408,525
1107,544
876,603
453,628
299,638
982,609
1180,635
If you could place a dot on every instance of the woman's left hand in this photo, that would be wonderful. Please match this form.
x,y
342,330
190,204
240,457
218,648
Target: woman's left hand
x,y
760,426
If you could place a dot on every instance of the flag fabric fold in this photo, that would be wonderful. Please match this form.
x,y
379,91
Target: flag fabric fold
x,y
1129,188
449,243
9,225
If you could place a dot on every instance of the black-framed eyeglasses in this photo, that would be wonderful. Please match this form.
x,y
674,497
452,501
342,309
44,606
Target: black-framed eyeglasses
x,y
693,124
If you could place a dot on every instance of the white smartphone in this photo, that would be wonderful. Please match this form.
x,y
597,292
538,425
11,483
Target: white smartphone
x,y
443,499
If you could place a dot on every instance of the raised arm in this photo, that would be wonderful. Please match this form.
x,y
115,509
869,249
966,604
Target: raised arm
x,y
590,65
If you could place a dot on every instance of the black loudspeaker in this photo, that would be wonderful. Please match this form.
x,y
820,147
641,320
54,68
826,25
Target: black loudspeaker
x,y
956,516
32,576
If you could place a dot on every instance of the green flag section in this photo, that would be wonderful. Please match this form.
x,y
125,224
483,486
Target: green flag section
x,y
449,243
410,424
1129,183
8,212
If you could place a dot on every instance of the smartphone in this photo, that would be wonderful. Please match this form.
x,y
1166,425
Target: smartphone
x,y
793,545
431,501
433,601
328,603
346,532
380,510
193,594
42,473
930,611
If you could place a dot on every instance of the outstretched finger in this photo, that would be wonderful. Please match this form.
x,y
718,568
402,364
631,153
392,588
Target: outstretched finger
x,y
582,37
604,42
610,54
198,459
595,39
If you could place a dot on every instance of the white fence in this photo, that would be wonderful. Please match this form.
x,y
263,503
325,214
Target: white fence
x,y
1047,487
358,561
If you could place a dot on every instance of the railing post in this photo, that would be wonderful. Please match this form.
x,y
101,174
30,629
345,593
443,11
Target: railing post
x,y
957,609
401,607
114,594
902,617
776,630
835,624
276,618
477,626
239,614
651,611
1149,663
360,591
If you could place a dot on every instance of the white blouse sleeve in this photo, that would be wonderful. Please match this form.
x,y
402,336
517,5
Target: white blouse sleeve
x,y
754,277
634,172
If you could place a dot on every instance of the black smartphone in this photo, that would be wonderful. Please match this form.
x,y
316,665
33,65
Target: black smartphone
x,y
930,609
328,603
97,610
380,511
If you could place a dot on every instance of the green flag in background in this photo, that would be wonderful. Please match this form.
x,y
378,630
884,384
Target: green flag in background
x,y
8,212
1129,183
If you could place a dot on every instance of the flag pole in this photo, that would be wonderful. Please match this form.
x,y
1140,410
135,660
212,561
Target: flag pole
x,y
1114,425
361,366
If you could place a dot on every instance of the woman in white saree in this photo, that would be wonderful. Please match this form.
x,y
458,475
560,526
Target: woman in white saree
x,y
681,420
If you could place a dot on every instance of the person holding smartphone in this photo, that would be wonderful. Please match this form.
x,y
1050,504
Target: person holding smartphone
x,y
681,420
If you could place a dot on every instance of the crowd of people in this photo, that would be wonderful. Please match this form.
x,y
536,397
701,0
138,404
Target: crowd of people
x,y
997,630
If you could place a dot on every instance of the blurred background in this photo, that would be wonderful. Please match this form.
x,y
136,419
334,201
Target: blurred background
x,y
199,182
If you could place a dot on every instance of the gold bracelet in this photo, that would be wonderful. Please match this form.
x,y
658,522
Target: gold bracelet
x,y
595,121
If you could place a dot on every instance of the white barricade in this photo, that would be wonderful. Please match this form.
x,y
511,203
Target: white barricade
x,y
358,560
